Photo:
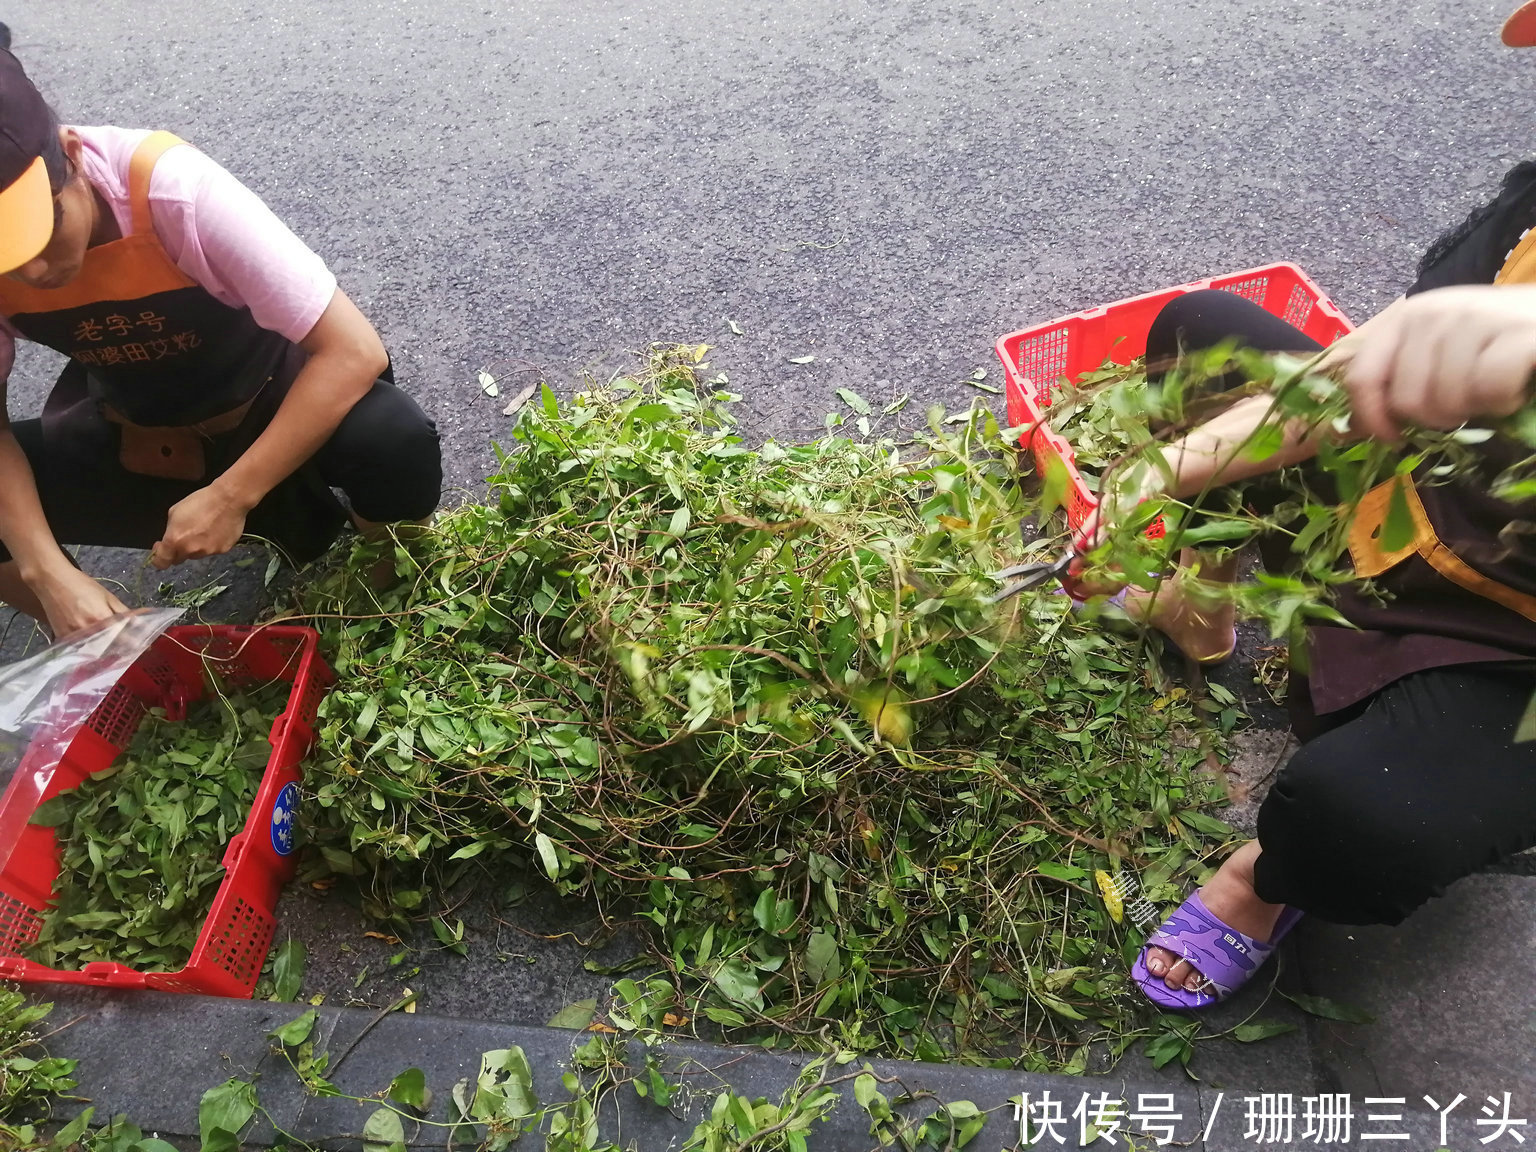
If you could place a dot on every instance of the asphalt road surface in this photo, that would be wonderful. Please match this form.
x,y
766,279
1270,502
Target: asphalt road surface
x,y
888,187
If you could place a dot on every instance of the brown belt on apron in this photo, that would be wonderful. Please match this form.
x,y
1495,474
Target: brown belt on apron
x,y
175,452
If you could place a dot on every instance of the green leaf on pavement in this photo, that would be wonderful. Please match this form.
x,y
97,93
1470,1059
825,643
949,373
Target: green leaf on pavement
x,y
226,1108
575,1016
1261,1030
1329,1009
854,401
384,1132
297,1030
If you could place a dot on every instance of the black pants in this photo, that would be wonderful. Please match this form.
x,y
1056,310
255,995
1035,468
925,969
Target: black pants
x,y
1392,799
384,456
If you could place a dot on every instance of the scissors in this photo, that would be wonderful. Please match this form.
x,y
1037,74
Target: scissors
x,y
1026,576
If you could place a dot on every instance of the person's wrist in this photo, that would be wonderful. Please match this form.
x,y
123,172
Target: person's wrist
x,y
37,572
236,494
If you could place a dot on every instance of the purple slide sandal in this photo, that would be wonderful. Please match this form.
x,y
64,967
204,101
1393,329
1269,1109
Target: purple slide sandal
x,y
1223,955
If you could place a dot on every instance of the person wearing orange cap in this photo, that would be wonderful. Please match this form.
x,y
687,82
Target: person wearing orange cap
x,y
218,382
1409,775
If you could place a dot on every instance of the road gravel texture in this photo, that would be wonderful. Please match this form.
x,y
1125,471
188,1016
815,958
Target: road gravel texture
x,y
888,187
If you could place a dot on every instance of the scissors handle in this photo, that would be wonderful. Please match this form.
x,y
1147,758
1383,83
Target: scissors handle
x,y
1071,583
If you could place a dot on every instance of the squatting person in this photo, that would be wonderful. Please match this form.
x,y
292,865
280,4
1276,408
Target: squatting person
x,y
219,383
1409,776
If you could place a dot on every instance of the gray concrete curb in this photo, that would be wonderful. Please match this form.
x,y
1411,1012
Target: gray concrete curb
x,y
152,1055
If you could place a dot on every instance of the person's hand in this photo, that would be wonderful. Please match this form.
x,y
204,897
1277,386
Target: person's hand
x,y
1442,358
1338,356
1138,481
74,601
206,523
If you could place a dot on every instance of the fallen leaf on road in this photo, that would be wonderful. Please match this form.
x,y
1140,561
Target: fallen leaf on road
x,y
801,359
854,401
520,399
488,383
575,1016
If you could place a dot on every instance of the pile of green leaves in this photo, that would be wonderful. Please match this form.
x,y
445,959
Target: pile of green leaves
x,y
141,841
759,698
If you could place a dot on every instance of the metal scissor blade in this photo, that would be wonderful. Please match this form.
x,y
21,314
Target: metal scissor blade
x,y
1030,576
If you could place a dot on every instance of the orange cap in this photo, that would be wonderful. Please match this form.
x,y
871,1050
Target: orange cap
x,y
1520,28
28,136
26,216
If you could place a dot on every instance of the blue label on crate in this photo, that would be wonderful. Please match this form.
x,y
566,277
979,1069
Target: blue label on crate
x,y
285,810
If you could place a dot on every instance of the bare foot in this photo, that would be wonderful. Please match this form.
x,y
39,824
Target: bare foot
x,y
1231,899
1189,608
1204,635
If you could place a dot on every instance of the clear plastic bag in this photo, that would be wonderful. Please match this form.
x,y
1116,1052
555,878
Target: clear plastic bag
x,y
44,699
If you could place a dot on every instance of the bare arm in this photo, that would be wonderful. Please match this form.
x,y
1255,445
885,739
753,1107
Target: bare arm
x,y
68,598
345,358
22,524
1211,455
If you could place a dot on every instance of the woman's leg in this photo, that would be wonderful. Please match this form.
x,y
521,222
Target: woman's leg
x,y
1199,320
1374,817
1191,611
386,457
1425,787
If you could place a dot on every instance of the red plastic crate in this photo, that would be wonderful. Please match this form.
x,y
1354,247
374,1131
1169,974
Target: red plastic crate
x,y
172,674
1039,360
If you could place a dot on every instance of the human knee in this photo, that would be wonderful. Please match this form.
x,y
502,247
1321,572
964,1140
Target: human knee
x,y
411,439
387,457
1184,325
1310,793
1337,847
386,418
